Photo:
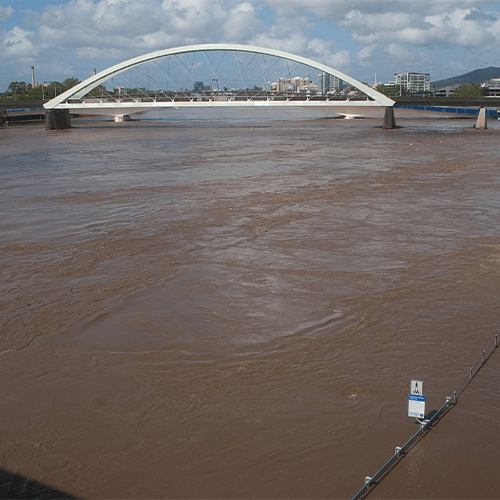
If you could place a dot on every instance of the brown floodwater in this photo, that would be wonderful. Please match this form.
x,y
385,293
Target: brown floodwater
x,y
233,305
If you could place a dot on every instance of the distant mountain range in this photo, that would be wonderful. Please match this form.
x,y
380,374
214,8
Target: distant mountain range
x,y
476,76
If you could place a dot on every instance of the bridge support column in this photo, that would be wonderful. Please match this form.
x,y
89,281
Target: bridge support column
x,y
481,120
57,119
389,120
122,118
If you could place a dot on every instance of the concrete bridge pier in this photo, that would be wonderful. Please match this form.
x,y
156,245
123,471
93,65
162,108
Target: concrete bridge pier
x,y
122,118
57,119
481,119
389,119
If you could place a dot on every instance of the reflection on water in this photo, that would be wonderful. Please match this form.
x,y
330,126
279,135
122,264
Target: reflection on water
x,y
234,305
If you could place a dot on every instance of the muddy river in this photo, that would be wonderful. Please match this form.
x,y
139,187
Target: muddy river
x,y
232,305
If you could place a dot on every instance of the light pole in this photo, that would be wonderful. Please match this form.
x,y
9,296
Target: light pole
x,y
44,84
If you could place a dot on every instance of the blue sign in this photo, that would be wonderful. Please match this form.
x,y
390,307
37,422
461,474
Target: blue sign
x,y
416,406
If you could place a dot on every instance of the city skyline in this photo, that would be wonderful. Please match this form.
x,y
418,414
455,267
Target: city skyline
x,y
72,37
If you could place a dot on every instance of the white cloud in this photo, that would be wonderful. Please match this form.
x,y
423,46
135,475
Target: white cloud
x,y
129,25
378,34
5,12
428,23
199,18
322,51
320,47
294,42
366,52
457,65
337,10
89,53
340,59
157,39
241,23
494,29
449,29
398,52
366,23
17,43
405,59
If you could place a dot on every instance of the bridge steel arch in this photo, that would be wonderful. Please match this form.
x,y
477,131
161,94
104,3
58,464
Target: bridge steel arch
x,y
79,90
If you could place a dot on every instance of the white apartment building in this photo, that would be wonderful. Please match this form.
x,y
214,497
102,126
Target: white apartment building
x,y
291,85
414,83
491,88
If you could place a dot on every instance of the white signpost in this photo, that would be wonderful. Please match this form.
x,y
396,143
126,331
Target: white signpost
x,y
416,400
417,387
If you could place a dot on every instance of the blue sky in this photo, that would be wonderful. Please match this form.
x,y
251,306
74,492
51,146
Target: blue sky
x,y
363,38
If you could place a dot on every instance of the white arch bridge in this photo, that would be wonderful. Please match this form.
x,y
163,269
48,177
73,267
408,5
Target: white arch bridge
x,y
218,75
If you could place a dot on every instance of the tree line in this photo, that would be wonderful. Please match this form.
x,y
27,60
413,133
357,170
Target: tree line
x,y
22,91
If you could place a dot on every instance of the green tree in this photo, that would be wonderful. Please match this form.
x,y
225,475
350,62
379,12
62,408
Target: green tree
x,y
469,90
70,82
392,90
99,91
18,88
22,91
36,94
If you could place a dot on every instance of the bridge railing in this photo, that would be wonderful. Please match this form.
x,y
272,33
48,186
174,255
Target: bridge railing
x,y
474,369
425,425
215,97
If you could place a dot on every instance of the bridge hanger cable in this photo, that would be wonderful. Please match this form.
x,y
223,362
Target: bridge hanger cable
x,y
246,82
149,80
240,70
167,76
234,75
214,67
187,71
278,60
212,72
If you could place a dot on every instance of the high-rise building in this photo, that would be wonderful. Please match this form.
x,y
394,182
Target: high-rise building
x,y
328,83
414,83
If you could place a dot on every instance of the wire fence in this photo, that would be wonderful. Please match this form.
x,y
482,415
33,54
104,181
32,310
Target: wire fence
x,y
371,481
484,356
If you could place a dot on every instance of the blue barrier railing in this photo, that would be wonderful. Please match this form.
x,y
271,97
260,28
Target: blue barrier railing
x,y
493,113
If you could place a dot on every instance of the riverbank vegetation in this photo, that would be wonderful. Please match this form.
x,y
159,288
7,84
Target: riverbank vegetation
x,y
469,90
22,91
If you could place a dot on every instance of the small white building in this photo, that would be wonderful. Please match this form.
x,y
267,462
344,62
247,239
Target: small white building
x,y
446,91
